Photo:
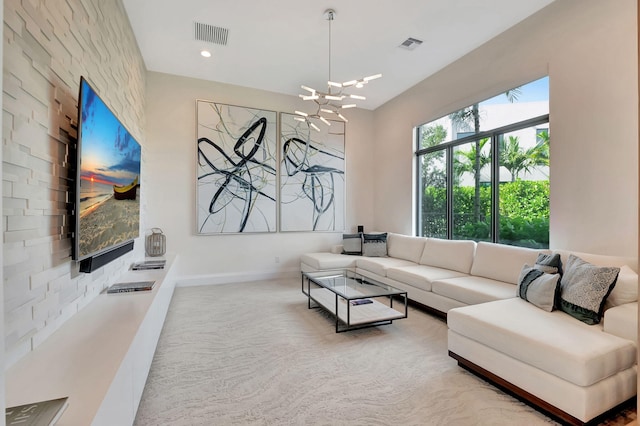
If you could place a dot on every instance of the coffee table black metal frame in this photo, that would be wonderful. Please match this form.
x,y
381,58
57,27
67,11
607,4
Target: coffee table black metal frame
x,y
335,292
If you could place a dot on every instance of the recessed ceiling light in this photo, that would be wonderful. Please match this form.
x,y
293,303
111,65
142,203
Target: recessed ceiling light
x,y
205,53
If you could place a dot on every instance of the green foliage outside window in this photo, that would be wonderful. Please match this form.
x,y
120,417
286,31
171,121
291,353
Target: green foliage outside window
x,y
524,213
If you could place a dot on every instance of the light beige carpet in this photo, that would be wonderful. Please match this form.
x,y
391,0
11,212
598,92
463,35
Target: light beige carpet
x,y
253,354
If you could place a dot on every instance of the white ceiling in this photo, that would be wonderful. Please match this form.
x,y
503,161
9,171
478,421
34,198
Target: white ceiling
x,y
277,45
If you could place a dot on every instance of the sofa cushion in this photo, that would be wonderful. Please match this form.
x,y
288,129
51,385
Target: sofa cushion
x,y
379,265
374,245
625,290
585,288
352,244
472,290
551,341
456,255
622,321
321,261
405,247
420,276
538,287
501,262
600,259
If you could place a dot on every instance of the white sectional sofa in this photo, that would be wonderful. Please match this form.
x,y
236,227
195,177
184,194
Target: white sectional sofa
x,y
569,369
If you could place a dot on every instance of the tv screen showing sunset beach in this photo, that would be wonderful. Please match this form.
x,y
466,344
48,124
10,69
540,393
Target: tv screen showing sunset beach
x,y
108,202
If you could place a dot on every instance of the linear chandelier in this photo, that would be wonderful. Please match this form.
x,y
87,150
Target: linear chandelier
x,y
336,98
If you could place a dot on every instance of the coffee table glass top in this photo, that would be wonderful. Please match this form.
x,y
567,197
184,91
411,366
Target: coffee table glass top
x,y
350,285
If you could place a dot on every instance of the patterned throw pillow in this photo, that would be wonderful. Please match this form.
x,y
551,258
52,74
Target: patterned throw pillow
x,y
584,289
352,244
538,287
374,245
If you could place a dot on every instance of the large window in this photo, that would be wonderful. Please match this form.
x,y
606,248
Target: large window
x,y
483,171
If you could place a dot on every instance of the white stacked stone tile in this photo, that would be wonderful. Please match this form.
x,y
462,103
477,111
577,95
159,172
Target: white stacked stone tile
x,y
47,47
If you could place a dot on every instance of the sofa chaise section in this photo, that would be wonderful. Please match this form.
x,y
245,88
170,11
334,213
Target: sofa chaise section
x,y
574,371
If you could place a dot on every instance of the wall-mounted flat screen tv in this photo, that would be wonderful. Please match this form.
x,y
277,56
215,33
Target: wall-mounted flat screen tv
x,y
107,208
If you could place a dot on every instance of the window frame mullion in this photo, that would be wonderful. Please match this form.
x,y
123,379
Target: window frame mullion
x,y
449,191
495,187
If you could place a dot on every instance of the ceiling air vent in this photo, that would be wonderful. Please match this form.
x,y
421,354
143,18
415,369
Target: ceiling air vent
x,y
210,33
411,43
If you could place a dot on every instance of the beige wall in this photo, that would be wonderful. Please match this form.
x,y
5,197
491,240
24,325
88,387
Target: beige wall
x,y
47,46
171,158
589,50
2,344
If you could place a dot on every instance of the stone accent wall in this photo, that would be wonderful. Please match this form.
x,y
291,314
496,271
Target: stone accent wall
x,y
48,45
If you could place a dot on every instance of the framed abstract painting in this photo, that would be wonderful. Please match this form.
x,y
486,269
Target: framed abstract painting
x,y
236,182
312,176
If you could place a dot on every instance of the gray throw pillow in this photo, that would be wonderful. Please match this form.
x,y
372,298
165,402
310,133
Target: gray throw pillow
x,y
352,244
585,288
538,287
374,245
549,263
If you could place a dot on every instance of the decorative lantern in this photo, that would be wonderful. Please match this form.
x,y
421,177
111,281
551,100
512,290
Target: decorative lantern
x,y
156,243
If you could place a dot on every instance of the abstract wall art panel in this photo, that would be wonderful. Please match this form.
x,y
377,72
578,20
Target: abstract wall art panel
x,y
236,169
312,176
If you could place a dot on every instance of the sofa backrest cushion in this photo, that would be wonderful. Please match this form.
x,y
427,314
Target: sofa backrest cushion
x,y
600,259
405,247
456,255
502,262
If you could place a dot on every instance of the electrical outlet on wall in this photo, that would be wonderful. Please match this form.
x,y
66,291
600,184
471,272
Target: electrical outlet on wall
x,y
277,259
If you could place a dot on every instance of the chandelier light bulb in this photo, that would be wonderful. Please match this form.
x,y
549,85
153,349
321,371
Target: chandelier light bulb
x,y
325,121
316,128
372,77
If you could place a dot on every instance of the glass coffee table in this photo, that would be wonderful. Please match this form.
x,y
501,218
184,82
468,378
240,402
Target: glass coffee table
x,y
355,301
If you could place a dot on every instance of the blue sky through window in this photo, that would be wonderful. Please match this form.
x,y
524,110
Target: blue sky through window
x,y
535,91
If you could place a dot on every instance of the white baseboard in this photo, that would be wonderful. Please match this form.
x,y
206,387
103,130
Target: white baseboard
x,y
236,277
